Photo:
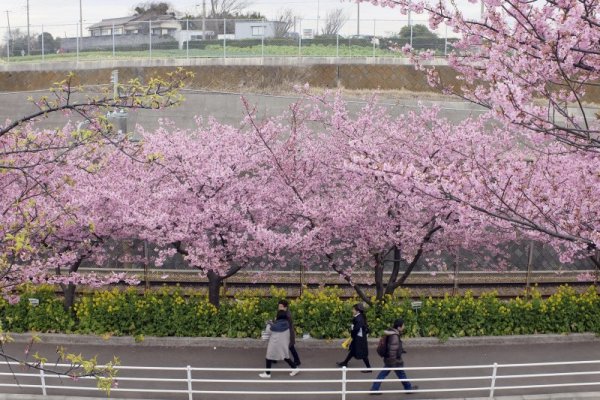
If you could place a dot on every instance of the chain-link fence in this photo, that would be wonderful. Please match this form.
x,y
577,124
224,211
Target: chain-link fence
x,y
517,256
127,37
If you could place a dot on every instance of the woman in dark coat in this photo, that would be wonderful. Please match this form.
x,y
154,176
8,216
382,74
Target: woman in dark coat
x,y
359,347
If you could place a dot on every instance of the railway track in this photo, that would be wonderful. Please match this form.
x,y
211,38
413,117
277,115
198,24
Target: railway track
x,y
506,284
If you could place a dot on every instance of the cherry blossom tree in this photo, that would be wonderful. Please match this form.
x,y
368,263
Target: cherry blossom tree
x,y
533,64
36,166
41,231
548,191
197,194
343,210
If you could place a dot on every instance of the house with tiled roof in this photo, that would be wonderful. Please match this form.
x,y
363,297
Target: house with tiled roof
x,y
136,24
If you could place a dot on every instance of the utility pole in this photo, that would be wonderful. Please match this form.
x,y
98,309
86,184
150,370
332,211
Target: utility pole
x,y
9,36
80,20
28,34
204,20
357,19
318,7
410,26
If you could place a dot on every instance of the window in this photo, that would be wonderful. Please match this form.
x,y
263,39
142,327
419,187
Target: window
x,y
258,30
118,31
106,32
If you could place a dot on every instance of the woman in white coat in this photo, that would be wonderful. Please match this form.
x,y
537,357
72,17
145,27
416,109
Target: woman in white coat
x,y
279,345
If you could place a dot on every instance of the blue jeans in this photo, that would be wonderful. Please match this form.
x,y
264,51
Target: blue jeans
x,y
384,373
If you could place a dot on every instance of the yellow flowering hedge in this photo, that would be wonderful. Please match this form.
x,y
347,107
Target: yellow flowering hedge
x,y
320,313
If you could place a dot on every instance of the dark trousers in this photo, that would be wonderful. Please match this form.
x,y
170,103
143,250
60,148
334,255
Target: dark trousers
x,y
294,354
270,364
385,372
351,354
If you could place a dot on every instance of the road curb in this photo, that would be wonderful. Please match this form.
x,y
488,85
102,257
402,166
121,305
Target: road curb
x,y
94,340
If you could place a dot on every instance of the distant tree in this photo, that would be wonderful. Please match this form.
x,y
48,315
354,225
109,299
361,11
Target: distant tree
x,y
286,18
50,43
334,21
220,8
17,40
418,31
152,8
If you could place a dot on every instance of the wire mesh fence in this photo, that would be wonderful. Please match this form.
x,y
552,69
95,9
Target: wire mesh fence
x,y
128,37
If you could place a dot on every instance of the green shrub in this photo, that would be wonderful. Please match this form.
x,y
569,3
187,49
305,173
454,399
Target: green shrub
x,y
48,315
322,313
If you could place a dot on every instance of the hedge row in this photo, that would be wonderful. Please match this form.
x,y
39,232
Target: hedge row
x,y
322,314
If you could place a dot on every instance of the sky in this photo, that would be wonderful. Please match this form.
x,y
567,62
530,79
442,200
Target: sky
x,y
60,17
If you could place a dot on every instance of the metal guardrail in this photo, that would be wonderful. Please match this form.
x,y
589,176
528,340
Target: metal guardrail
x,y
192,381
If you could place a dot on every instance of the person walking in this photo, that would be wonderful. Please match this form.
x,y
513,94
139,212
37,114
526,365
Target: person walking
x,y
359,330
283,305
393,358
279,345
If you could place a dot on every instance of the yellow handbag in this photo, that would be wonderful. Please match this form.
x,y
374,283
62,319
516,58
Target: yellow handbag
x,y
346,343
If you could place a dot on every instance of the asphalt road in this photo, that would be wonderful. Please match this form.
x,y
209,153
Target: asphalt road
x,y
224,107
313,356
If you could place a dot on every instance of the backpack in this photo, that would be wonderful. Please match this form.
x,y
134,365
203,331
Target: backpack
x,y
382,346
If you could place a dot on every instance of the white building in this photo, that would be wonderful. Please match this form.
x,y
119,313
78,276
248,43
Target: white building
x,y
184,35
256,29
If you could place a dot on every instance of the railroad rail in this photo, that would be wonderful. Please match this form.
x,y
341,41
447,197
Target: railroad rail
x,y
507,284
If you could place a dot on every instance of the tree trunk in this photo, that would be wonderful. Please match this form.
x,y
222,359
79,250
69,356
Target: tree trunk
x,y
379,288
69,289
69,293
214,288
395,271
596,261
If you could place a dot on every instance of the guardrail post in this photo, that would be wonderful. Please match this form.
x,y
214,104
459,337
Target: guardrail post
x,y
189,382
343,383
374,35
113,40
78,39
224,38
493,383
446,41
43,379
187,40
300,38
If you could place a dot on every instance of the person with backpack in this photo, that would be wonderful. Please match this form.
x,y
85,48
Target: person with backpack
x,y
359,347
390,348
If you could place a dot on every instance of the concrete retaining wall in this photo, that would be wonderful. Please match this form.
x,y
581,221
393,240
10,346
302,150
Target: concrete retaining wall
x,y
272,77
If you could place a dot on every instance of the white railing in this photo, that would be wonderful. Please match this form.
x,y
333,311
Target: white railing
x,y
479,380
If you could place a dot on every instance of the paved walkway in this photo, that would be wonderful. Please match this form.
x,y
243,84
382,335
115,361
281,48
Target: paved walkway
x,y
225,353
